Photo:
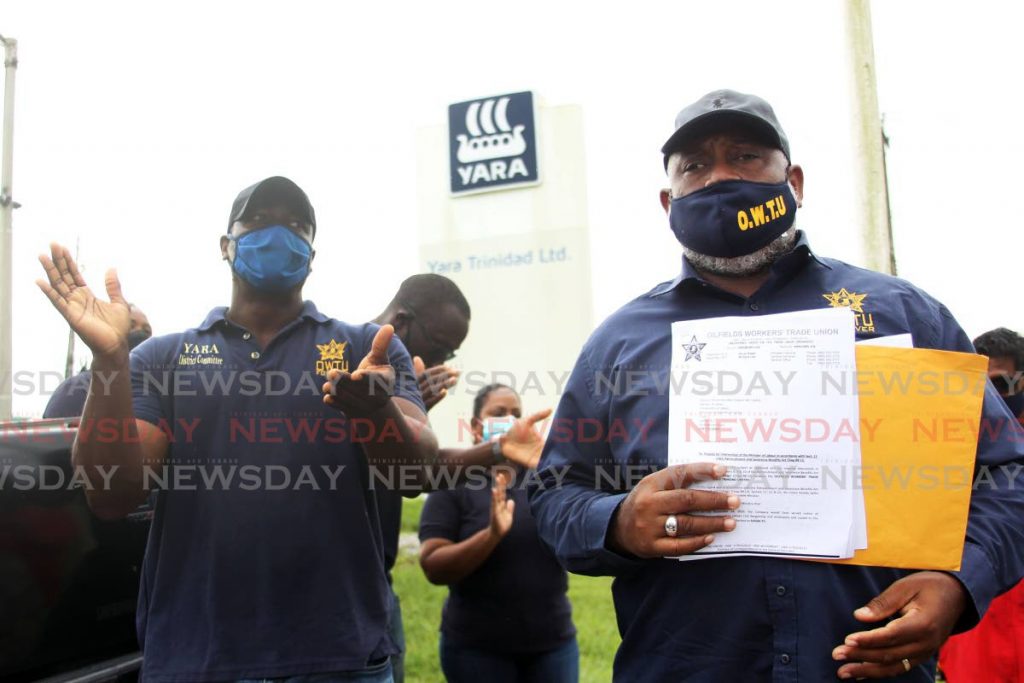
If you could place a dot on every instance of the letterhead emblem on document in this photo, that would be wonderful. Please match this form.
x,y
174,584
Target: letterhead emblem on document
x,y
863,320
693,349
332,357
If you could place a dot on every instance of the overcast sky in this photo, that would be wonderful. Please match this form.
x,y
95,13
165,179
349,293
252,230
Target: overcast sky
x,y
137,124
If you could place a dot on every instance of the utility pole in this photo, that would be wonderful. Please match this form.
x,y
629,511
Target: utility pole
x,y
872,194
6,213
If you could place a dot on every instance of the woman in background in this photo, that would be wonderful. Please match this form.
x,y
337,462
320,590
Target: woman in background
x,y
507,617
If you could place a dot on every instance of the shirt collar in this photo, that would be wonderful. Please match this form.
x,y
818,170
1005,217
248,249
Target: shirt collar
x,y
792,261
219,315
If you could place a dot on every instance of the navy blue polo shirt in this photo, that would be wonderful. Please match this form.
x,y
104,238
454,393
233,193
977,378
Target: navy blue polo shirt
x,y
265,555
515,601
747,618
68,398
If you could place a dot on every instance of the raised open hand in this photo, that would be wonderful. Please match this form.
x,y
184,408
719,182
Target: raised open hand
x,y
434,382
502,507
523,443
102,325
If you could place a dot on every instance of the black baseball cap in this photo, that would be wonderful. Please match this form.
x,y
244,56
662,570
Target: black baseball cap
x,y
270,191
721,107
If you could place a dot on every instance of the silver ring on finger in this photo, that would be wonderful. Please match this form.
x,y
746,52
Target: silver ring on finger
x,y
906,664
671,526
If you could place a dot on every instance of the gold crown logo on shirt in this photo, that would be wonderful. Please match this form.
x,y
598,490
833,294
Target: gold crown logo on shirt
x,y
863,320
332,357
332,351
846,299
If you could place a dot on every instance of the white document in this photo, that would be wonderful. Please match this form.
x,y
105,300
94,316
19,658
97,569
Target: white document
x,y
900,341
749,393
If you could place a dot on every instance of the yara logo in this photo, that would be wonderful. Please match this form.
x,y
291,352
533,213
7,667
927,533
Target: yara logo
x,y
492,143
492,137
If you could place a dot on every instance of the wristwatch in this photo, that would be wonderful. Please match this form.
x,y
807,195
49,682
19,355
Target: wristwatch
x,y
497,456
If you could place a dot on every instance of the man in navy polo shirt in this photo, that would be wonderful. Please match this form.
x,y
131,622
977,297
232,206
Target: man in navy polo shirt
x,y
751,618
258,428
431,316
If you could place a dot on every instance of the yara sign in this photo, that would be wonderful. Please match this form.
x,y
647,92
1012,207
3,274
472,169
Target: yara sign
x,y
492,143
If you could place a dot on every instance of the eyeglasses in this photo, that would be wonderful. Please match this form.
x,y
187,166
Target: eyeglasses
x,y
441,350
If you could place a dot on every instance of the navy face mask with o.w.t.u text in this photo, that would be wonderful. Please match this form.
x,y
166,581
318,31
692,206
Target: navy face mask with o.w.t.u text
x,y
732,218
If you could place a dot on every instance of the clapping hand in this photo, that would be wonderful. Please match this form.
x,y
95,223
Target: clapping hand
x,y
102,325
502,508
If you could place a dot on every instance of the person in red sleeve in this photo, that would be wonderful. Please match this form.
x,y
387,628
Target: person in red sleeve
x,y
993,651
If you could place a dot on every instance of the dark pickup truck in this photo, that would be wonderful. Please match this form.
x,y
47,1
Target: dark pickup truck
x,y
68,580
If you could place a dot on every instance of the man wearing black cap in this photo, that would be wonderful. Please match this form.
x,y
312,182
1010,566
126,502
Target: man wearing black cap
x,y
732,202
265,558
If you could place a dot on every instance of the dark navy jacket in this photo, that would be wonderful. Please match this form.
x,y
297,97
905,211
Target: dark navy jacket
x,y
265,556
744,619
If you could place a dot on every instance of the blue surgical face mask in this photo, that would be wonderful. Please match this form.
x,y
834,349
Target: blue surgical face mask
x,y
272,259
496,426
733,218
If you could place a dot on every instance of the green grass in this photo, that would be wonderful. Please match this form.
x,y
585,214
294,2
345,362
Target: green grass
x,y
421,611
597,633
421,615
411,510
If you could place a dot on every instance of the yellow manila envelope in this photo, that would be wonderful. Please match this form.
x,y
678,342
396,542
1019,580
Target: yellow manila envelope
x,y
920,412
